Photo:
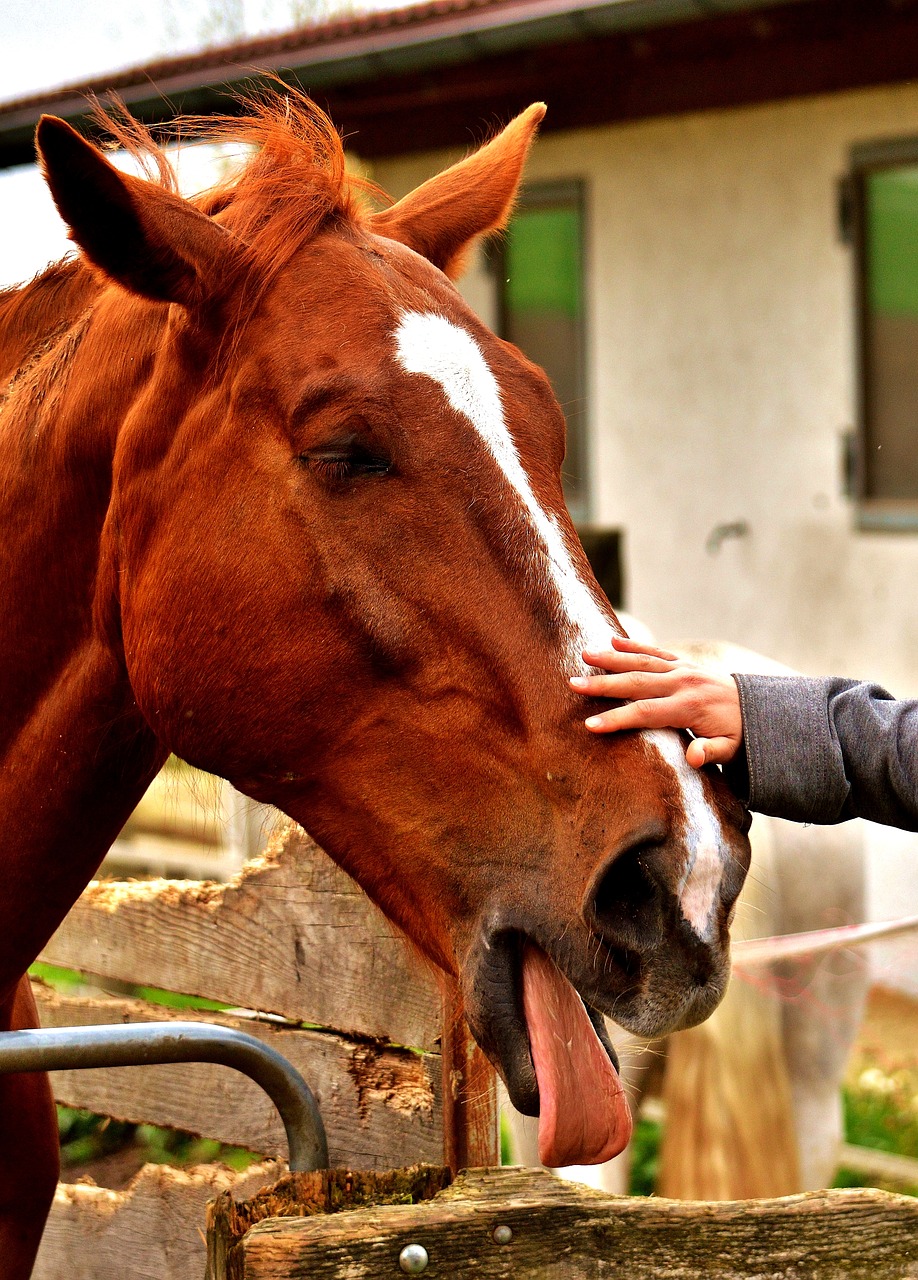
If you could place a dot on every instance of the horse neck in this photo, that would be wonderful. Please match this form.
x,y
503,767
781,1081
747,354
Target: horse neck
x,y
56,453
75,754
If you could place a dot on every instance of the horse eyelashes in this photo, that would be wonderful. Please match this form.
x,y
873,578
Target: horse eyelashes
x,y
335,468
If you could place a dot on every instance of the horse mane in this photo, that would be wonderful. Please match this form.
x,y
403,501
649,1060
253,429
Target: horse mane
x,y
294,183
35,314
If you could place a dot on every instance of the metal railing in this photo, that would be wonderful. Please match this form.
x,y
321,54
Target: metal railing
x,y
147,1043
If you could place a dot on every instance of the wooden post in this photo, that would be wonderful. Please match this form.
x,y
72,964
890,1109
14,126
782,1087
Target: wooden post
x,y
471,1124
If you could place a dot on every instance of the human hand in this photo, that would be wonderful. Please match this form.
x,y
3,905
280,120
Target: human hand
x,y
662,691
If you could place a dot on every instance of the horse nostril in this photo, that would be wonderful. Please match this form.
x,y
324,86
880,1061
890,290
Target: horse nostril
x,y
625,907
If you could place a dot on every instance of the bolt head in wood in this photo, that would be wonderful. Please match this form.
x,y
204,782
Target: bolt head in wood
x,y
413,1259
502,1234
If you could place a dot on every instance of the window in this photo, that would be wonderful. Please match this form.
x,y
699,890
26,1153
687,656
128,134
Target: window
x,y
884,221
539,267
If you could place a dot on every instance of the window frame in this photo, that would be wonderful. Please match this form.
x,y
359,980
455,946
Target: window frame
x,y
554,193
872,513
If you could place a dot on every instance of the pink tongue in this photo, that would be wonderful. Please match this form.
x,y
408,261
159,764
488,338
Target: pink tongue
x,y
584,1117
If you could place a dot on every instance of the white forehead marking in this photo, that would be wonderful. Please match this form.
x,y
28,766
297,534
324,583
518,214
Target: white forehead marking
x,y
699,887
430,344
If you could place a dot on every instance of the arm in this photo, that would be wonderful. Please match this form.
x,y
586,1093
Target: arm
x,y
824,750
813,750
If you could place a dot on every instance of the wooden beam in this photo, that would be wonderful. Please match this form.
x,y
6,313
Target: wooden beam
x,y
301,1195
380,1106
291,934
901,1171
558,1228
785,51
154,1228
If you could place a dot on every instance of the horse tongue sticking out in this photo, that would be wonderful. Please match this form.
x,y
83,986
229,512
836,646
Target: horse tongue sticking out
x,y
584,1117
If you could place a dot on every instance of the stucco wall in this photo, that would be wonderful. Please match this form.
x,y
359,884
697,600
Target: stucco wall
x,y
722,376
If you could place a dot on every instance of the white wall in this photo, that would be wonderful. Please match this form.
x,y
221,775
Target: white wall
x,y
721,333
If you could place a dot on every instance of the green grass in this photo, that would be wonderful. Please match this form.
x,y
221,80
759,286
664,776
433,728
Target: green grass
x,y
66,980
70,980
175,1000
881,1114
645,1157
881,1111
86,1137
506,1155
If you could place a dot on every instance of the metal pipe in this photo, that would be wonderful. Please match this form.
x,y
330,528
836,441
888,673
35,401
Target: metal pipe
x,y
146,1043
750,953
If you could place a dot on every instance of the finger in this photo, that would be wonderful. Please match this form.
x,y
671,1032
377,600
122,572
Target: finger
x,y
627,685
702,751
626,645
612,660
655,713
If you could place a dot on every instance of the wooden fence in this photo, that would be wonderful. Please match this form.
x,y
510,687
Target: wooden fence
x,y
190,824
525,1225
303,961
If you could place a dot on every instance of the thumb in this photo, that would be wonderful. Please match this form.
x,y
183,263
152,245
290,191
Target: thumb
x,y
702,751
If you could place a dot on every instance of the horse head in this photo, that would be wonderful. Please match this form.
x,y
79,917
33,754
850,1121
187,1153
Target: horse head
x,y
338,570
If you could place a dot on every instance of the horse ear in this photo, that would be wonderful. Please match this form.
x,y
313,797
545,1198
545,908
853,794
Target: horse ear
x,y
442,218
144,237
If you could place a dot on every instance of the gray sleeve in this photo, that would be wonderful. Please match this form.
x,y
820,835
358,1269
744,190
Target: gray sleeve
x,y
824,750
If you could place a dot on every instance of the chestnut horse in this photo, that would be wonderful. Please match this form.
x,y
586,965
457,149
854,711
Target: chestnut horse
x,y
273,499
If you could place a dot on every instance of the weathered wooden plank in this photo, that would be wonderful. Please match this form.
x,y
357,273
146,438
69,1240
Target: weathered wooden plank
x,y
323,1191
291,934
381,1106
153,1229
471,1115
561,1230
145,855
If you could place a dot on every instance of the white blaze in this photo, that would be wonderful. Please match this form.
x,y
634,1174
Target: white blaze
x,y
700,883
431,345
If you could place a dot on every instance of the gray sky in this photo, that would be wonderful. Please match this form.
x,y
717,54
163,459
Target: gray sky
x,y
47,43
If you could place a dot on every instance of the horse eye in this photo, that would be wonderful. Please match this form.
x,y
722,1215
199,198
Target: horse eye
x,y
345,461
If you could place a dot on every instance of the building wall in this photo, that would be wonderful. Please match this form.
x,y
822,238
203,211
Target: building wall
x,y
721,337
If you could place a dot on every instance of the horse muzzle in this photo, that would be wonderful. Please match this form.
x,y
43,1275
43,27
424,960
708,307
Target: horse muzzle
x,y
551,1048
535,995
